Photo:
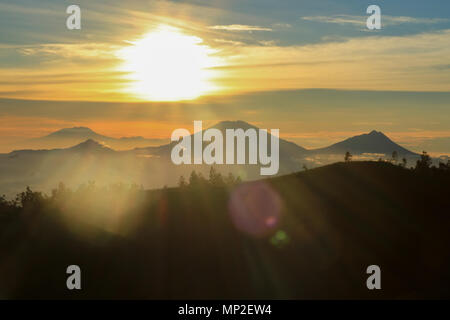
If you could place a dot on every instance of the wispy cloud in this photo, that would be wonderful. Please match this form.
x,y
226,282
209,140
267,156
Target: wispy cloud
x,y
282,25
38,11
361,20
240,27
377,63
268,42
86,50
229,42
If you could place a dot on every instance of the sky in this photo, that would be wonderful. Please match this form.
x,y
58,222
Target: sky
x,y
310,68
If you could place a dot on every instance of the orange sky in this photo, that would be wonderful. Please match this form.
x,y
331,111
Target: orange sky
x,y
228,59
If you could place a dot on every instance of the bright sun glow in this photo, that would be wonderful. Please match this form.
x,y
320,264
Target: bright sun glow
x,y
167,65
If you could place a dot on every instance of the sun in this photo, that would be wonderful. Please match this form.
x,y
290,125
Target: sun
x,y
168,65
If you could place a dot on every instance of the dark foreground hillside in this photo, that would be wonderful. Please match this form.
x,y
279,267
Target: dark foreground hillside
x,y
303,236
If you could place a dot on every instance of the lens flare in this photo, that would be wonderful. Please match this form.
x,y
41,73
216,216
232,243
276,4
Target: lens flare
x,y
255,208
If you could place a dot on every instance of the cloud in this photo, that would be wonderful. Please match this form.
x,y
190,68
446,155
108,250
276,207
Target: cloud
x,y
229,42
361,20
268,42
240,27
406,63
364,63
435,142
20,9
341,19
87,50
282,25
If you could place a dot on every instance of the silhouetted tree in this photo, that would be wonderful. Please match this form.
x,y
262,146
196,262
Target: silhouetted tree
x,y
230,180
182,182
29,198
348,157
196,179
193,179
215,178
424,162
60,192
30,201
3,203
444,166
404,162
7,207
394,157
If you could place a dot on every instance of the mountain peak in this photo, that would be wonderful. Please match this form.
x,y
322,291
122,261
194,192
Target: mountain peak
x,y
76,129
91,142
90,145
372,142
375,133
238,124
73,132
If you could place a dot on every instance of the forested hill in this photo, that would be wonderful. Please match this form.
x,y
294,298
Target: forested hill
x,y
302,236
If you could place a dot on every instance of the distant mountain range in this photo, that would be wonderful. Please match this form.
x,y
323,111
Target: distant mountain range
x,y
96,159
374,142
71,136
288,150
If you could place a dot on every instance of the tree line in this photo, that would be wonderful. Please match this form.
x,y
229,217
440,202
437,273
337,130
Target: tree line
x,y
424,163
